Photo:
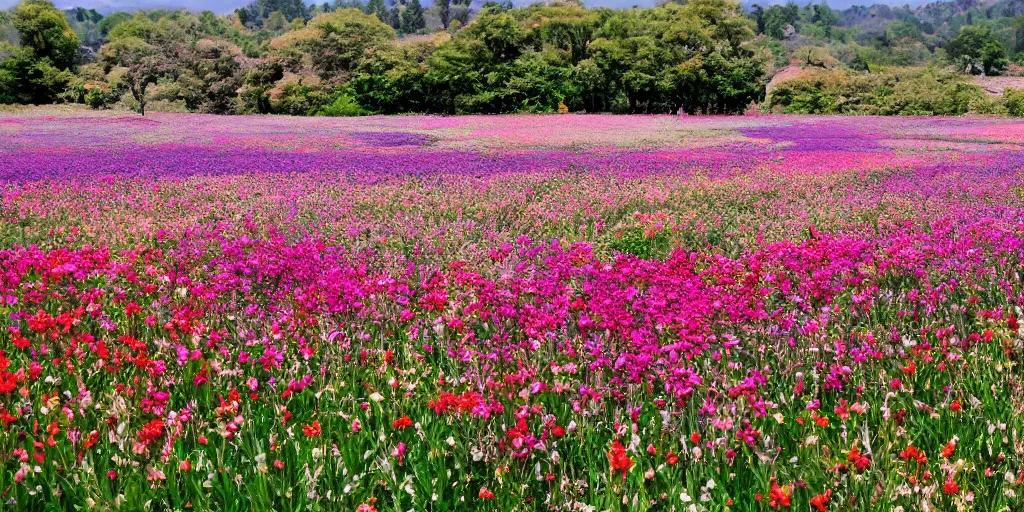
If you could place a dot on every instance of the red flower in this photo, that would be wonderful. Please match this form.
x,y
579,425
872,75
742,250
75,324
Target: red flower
x,y
485,494
860,461
20,342
671,459
950,486
151,431
112,475
7,417
913,452
403,422
778,497
955,406
365,507
41,322
618,459
820,501
8,383
694,438
312,430
92,439
948,449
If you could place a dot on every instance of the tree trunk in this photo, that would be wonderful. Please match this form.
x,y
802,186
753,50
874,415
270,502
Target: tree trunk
x,y
140,96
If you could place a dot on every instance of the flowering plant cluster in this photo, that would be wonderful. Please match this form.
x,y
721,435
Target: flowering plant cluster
x,y
702,315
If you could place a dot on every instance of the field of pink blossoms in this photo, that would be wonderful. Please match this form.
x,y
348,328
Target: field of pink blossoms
x,y
559,313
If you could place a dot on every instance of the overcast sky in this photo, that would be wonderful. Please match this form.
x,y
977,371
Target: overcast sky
x,y
225,6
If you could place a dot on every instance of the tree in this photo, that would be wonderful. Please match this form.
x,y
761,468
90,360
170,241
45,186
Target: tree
x,y
1018,34
379,9
276,22
40,69
45,31
394,17
143,65
777,18
412,17
209,76
443,9
757,14
976,50
260,11
336,42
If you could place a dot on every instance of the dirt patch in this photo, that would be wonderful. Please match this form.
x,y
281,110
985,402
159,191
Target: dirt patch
x,y
995,85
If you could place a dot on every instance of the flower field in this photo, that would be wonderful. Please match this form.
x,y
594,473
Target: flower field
x,y
510,313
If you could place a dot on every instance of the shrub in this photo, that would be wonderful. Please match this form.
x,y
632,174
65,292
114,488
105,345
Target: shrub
x,y
344,105
1014,101
301,100
902,92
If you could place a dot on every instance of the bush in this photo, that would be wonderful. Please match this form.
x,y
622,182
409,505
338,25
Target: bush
x,y
301,100
901,92
1014,101
99,98
344,105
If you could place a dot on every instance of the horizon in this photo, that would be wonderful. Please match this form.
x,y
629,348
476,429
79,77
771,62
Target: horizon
x,y
228,6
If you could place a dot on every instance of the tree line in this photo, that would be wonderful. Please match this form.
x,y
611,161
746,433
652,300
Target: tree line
x,y
698,56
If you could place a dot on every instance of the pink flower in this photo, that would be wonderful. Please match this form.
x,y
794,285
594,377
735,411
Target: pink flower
x,y
398,452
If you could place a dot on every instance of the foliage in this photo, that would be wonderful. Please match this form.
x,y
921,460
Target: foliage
x,y
45,32
142,62
344,105
335,43
447,11
643,243
975,50
297,99
1014,100
699,56
42,66
905,92
412,17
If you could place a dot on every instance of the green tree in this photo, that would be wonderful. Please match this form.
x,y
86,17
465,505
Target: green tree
x,y
276,23
379,9
209,76
143,65
412,17
757,15
41,68
336,42
976,50
45,31
777,18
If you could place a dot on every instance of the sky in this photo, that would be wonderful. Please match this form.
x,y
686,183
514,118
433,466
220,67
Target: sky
x,y
226,6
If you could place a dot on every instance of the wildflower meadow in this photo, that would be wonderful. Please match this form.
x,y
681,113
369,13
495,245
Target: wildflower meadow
x,y
578,313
